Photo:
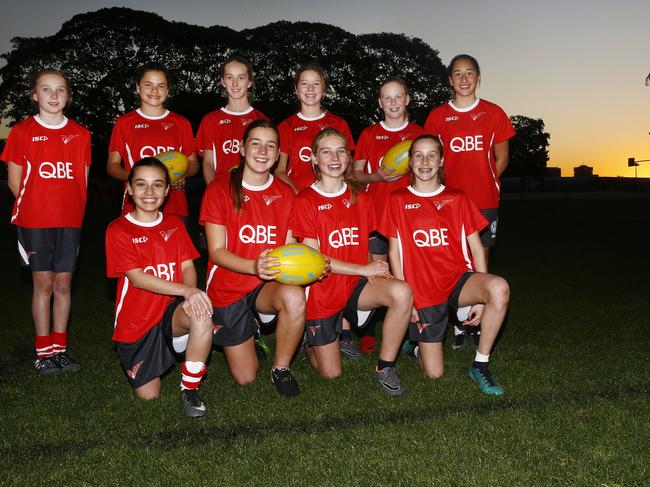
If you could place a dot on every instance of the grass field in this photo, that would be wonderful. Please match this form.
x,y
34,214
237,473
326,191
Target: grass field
x,y
573,360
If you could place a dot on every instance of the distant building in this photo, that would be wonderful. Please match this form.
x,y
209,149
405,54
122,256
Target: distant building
x,y
552,172
583,172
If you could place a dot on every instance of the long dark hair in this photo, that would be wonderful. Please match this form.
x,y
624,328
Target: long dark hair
x,y
149,162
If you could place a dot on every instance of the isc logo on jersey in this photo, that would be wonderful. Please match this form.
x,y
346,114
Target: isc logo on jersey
x,y
381,137
39,138
344,236
151,151
224,121
467,143
141,126
412,206
327,206
230,146
138,240
55,170
451,119
258,234
434,237
163,271
300,129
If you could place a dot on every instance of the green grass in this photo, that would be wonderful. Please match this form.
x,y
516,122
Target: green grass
x,y
573,359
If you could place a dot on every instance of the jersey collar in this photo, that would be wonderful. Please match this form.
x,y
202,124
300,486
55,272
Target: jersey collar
x,y
426,195
229,112
63,123
143,224
397,129
468,109
149,117
264,186
330,195
310,119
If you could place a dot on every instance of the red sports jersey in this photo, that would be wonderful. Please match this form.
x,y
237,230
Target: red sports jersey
x,y
372,145
469,136
136,135
296,136
54,159
342,231
158,248
432,230
221,131
262,223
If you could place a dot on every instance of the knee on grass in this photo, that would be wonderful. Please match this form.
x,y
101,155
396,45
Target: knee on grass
x,y
244,378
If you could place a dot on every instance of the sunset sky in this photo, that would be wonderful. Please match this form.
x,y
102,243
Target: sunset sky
x,y
580,66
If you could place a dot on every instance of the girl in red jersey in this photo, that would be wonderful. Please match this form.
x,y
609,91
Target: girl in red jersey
x,y
334,217
151,254
475,134
298,131
246,214
48,158
371,148
149,131
220,133
431,228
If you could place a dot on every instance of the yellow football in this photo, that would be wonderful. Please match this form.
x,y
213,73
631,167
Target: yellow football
x,y
176,164
298,264
396,160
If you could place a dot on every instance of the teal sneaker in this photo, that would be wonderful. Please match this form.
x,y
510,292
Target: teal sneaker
x,y
485,380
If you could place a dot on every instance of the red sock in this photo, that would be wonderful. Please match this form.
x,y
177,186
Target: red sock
x,y
59,341
43,346
192,380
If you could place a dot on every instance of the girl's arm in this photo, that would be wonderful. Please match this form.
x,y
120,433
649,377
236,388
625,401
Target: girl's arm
x,y
114,167
14,175
478,252
363,177
395,259
281,171
208,167
501,156
377,268
193,167
263,266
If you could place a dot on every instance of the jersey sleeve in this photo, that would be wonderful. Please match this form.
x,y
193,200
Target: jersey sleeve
x,y
117,141
363,146
431,125
87,151
202,137
120,252
503,127
345,129
187,137
303,221
285,136
370,212
15,147
471,217
188,250
388,224
213,209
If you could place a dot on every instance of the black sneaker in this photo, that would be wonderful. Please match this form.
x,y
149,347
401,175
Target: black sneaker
x,y
349,350
459,342
284,382
47,366
66,363
388,379
193,406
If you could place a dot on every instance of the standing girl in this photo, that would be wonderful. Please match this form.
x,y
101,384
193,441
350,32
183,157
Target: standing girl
x,y
151,254
149,131
475,134
220,133
432,227
298,131
246,214
334,217
372,146
48,158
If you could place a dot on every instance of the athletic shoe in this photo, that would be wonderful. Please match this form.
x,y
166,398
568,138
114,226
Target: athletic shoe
x,y
284,382
193,406
389,381
261,348
408,348
367,344
459,342
349,349
485,380
47,366
66,362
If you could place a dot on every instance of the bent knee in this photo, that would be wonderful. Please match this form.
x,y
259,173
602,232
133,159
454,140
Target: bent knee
x,y
147,395
402,294
433,374
245,379
499,290
293,299
330,373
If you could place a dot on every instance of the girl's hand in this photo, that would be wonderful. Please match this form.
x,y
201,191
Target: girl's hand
x,y
266,268
179,185
328,269
197,304
475,315
388,175
377,268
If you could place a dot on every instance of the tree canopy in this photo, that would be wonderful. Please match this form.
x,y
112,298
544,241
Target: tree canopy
x,y
528,148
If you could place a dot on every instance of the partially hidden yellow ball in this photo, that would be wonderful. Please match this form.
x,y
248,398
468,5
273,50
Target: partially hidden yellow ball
x,y
396,160
176,164
298,264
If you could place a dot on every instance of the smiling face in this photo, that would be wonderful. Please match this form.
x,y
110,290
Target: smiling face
x,y
393,100
51,93
153,89
464,78
331,155
148,187
236,79
426,160
260,150
310,88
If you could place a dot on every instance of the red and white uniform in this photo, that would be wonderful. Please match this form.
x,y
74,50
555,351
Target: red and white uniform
x,y
342,231
432,230
136,135
262,223
54,159
372,145
468,136
296,136
158,248
221,131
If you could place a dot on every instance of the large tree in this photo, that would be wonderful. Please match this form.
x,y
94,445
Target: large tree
x,y
528,148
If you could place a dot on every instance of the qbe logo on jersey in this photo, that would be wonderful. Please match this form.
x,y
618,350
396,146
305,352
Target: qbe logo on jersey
x,y
344,236
258,234
467,143
163,271
55,170
434,237
151,151
305,154
230,146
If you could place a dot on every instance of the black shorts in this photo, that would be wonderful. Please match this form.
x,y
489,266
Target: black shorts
x,y
49,249
152,355
237,322
378,244
489,234
432,326
356,317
